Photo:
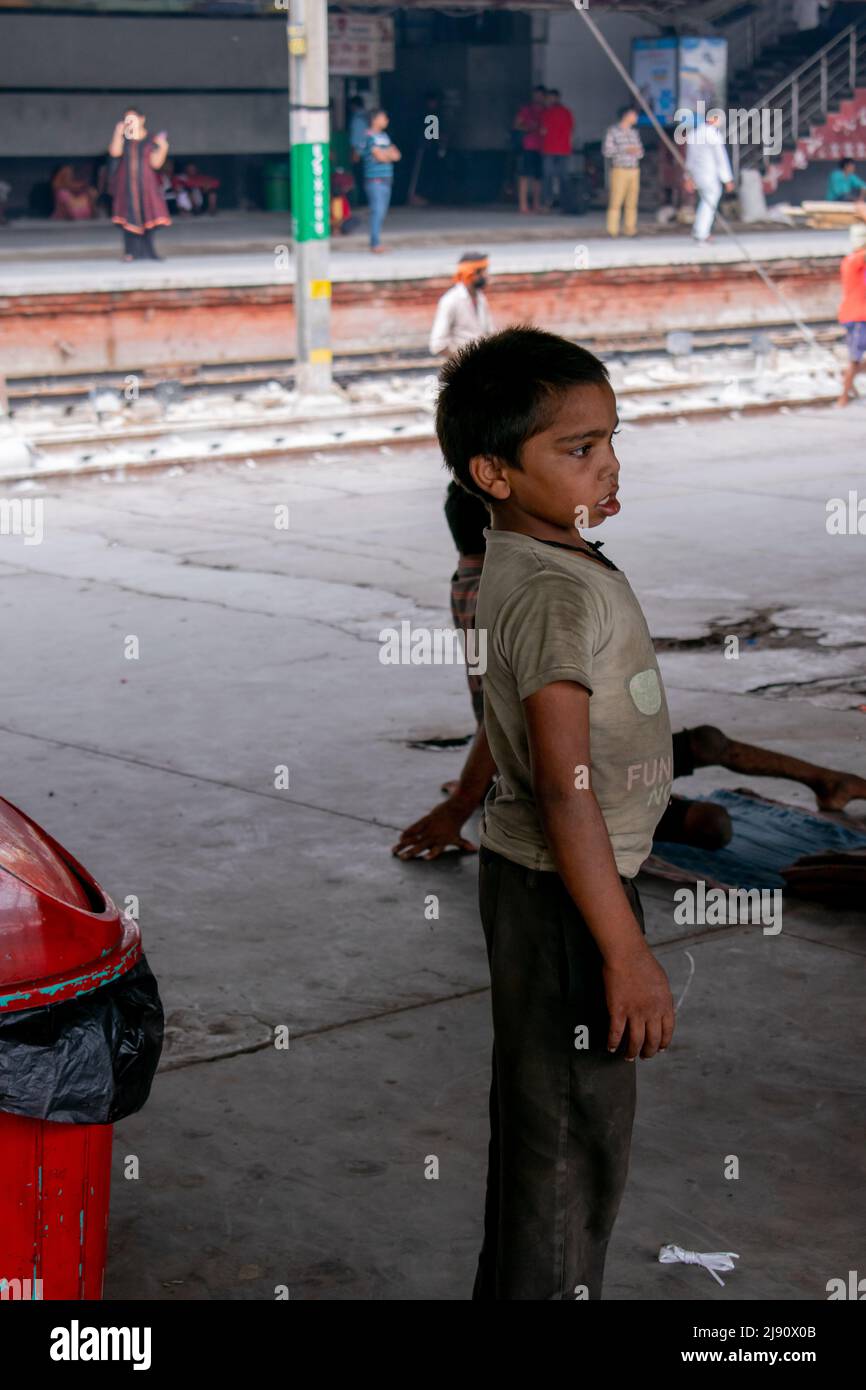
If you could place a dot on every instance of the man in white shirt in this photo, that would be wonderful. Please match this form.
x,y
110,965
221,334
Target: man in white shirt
x,y
462,313
708,171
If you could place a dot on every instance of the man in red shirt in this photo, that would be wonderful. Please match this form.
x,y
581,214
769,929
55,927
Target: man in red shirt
x,y
529,130
557,131
852,310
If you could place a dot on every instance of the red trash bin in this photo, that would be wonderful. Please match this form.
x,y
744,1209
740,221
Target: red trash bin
x,y
60,938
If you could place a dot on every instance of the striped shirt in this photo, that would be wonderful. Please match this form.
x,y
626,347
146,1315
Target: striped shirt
x,y
623,147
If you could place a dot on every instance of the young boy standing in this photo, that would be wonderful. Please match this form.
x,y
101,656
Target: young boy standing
x,y
577,723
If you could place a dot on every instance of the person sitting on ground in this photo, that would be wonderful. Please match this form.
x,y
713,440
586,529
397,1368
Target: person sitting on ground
x,y
852,310
699,823
74,199
201,189
844,184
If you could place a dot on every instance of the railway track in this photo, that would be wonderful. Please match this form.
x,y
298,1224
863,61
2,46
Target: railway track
x,y
350,367
61,427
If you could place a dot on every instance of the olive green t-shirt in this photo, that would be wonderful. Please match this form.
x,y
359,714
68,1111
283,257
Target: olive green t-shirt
x,y
552,614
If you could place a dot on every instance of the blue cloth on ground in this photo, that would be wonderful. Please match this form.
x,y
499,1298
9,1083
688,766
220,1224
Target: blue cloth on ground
x,y
767,838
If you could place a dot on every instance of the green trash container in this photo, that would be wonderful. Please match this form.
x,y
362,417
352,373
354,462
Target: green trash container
x,y
278,180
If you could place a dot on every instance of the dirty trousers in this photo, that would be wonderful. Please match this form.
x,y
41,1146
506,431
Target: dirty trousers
x,y
560,1115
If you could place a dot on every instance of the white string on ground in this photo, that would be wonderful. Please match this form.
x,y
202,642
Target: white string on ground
x,y
678,1004
663,135
714,1260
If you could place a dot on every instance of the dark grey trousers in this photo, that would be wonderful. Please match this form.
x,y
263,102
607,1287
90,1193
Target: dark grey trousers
x,y
560,1115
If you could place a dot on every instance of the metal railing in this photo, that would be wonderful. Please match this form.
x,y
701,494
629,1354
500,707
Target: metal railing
x,y
806,97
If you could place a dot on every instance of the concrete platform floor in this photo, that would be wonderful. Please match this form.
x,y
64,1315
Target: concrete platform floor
x,y
56,258
233,230
261,907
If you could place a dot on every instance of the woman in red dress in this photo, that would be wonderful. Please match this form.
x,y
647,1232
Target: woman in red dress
x,y
138,202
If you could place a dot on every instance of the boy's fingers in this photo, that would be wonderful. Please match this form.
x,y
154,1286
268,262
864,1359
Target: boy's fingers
x,y
617,1027
652,1038
635,1037
466,844
667,1030
407,849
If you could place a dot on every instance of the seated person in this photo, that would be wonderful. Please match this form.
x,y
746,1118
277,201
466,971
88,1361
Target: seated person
x,y
197,190
74,200
844,185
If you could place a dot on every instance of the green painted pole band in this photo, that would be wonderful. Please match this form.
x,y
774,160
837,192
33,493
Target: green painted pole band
x,y
311,198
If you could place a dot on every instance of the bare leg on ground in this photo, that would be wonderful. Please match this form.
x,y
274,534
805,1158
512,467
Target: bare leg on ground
x,y
833,790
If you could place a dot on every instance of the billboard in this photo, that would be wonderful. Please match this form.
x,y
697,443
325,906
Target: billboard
x,y
679,72
654,70
703,72
360,45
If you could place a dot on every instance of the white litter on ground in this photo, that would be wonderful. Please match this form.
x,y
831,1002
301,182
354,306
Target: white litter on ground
x,y
715,1260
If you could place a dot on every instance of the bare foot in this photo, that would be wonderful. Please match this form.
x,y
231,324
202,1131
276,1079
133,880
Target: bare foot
x,y
378,250
835,790
842,401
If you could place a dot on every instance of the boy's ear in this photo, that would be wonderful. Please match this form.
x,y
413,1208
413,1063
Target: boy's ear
x,y
488,473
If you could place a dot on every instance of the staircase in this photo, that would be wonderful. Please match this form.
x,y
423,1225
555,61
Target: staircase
x,y
821,106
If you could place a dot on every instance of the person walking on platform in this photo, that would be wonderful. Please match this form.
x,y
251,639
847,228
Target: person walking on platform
x,y
708,171
462,313
624,148
378,154
138,204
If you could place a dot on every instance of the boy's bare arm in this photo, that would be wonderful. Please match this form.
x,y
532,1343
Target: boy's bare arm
x,y
636,987
430,836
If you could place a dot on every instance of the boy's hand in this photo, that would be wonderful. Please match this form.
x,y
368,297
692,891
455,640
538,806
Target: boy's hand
x,y
434,833
638,999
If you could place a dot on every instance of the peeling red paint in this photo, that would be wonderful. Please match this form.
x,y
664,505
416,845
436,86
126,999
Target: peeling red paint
x,y
135,330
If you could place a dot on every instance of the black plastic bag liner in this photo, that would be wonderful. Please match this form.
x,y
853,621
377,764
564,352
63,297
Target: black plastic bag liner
x,y
86,1061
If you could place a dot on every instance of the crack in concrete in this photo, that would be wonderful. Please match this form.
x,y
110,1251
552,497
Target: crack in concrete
x,y
130,760
688,938
117,586
760,631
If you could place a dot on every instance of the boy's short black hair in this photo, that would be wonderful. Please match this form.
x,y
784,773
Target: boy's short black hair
x,y
623,110
497,392
843,163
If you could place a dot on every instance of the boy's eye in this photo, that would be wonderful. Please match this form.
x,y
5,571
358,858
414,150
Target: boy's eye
x,y
581,451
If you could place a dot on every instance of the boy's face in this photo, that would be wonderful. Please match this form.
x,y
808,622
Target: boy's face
x,y
570,472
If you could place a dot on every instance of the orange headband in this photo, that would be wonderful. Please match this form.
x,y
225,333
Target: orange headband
x,y
466,270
